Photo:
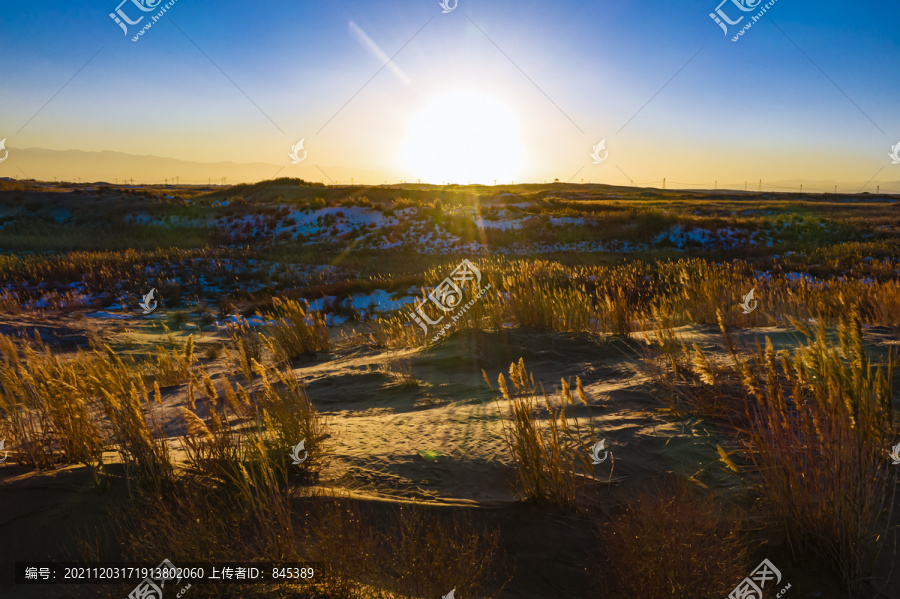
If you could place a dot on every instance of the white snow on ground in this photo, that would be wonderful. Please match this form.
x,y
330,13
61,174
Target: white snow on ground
x,y
566,220
503,223
234,320
416,229
380,301
725,238
105,314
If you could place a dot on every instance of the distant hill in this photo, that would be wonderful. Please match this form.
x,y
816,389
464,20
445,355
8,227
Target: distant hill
x,y
70,165
75,165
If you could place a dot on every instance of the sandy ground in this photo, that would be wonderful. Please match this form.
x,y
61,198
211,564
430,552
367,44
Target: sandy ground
x,y
379,425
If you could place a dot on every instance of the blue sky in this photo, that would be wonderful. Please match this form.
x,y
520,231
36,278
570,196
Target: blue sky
x,y
566,74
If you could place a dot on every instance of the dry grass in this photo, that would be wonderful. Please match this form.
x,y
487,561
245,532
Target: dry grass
x,y
289,417
669,543
416,554
431,555
547,440
395,332
412,553
247,520
814,424
617,300
294,332
399,370
54,407
819,429
45,408
125,402
171,366
247,344
340,535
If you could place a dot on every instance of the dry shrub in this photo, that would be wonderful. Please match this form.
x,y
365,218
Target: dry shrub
x,y
400,370
670,543
414,555
417,554
196,522
341,537
431,555
550,449
262,485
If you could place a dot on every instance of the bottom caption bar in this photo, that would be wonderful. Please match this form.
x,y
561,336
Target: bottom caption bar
x,y
155,577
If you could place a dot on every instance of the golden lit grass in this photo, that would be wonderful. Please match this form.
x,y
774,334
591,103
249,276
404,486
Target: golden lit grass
x,y
69,409
815,425
670,542
400,370
394,332
618,300
819,431
44,406
547,441
247,345
125,402
110,268
289,417
294,332
53,408
280,409
172,367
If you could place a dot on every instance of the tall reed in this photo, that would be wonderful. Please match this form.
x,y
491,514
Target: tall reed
x,y
819,430
548,442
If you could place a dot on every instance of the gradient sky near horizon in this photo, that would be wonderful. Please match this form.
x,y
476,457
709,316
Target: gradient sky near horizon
x,y
509,90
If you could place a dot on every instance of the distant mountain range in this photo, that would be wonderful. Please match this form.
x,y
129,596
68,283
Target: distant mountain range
x,y
112,167
74,165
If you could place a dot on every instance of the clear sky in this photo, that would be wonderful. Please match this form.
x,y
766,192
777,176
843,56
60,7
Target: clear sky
x,y
491,90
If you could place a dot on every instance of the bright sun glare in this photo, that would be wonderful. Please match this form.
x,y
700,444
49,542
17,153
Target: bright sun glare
x,y
464,137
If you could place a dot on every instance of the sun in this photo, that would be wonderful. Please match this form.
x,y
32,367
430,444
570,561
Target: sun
x,y
464,137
